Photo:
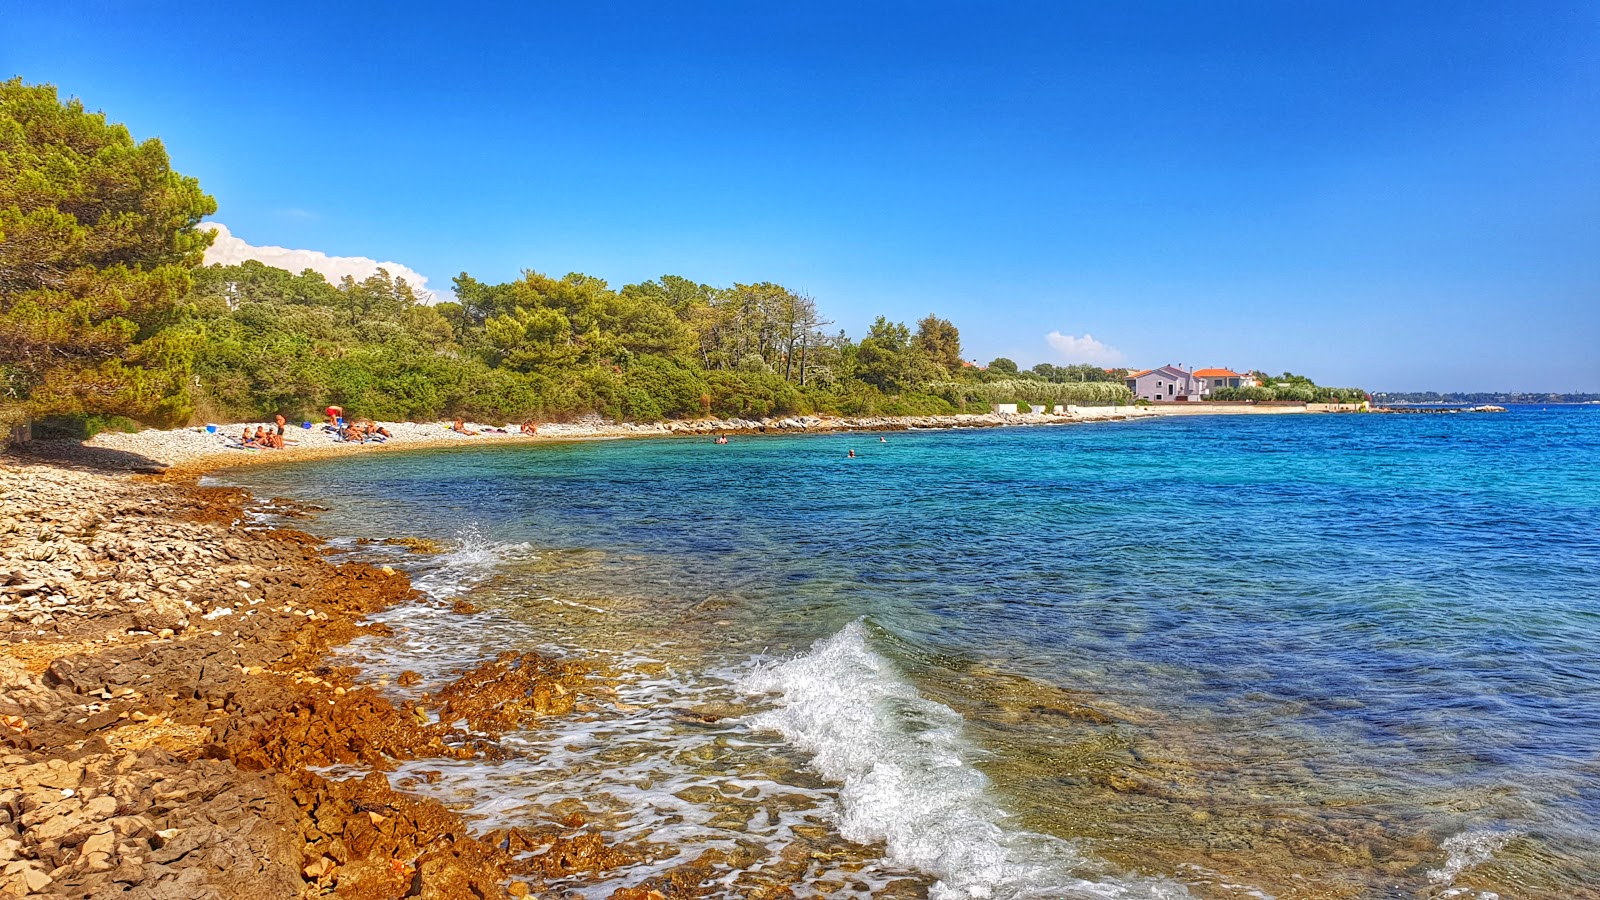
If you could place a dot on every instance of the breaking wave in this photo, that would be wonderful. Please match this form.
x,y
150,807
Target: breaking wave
x,y
1468,849
902,765
471,560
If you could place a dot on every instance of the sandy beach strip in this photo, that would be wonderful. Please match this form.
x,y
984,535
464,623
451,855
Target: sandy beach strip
x,y
193,451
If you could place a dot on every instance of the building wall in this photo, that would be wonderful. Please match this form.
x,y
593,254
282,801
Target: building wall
x,y
1167,386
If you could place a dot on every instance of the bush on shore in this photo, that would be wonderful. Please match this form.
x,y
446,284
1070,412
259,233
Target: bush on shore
x,y
1043,393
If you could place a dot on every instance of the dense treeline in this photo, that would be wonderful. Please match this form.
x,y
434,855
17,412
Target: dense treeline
x,y
106,311
543,347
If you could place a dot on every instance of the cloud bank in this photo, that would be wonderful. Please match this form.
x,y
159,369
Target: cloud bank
x,y
230,251
1083,349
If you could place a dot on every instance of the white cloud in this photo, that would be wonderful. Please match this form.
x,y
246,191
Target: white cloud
x,y
230,250
1083,349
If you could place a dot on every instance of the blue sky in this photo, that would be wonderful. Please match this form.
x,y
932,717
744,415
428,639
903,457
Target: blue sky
x,y
1395,195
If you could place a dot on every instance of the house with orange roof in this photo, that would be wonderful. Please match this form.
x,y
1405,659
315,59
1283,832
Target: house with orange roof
x,y
1223,378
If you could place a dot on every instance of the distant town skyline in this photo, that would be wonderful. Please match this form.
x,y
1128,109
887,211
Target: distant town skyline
x,y
1403,198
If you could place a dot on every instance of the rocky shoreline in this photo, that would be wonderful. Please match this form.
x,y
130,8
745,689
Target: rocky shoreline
x,y
165,702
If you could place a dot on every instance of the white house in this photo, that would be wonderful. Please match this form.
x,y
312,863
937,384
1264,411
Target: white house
x,y
1168,384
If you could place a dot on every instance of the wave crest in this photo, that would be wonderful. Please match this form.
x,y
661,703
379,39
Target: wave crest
x,y
901,761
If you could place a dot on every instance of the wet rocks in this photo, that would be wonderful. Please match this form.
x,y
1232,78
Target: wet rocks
x,y
510,690
163,693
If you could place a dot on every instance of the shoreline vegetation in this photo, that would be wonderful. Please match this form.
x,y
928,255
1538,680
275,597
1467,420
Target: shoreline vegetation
x,y
109,318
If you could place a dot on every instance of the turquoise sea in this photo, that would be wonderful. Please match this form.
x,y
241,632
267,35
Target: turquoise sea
x,y
1288,656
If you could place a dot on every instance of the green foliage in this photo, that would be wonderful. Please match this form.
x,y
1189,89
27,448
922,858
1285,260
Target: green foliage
x,y
1077,372
82,427
1044,393
104,314
1294,389
1243,393
940,341
97,236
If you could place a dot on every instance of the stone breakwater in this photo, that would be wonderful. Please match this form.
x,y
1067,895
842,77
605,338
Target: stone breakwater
x,y
165,702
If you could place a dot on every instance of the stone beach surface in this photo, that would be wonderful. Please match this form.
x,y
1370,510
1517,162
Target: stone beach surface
x,y
164,702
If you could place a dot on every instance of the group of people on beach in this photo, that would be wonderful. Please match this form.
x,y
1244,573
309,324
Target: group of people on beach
x,y
364,430
459,426
262,438
358,431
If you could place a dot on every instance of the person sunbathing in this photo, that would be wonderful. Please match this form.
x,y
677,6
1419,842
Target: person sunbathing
x,y
261,439
460,427
529,428
246,440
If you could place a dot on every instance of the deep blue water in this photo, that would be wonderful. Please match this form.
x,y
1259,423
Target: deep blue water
x,y
1376,633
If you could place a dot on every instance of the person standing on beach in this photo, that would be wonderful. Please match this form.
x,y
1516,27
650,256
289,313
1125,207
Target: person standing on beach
x,y
281,423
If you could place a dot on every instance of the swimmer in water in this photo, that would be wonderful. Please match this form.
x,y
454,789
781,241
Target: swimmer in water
x,y
852,454
882,439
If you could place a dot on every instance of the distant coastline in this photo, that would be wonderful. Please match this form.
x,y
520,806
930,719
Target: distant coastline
x,y
1390,398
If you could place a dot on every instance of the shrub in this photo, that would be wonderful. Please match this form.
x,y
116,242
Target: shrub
x,y
1079,393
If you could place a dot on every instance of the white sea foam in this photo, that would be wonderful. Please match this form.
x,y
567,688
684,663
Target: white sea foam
x,y
901,762
470,561
1468,849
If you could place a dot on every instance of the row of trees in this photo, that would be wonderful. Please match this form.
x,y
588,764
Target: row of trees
x,y
106,310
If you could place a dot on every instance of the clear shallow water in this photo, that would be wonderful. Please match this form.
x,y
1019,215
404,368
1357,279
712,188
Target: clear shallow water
x,y
1223,656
